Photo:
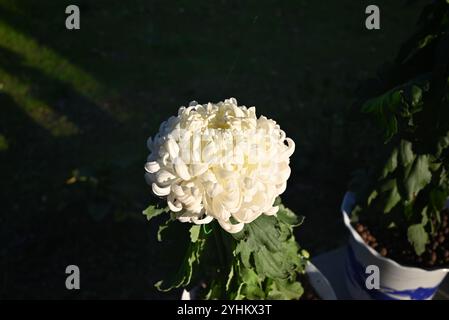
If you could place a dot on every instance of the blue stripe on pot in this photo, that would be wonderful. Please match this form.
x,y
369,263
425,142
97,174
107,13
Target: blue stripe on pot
x,y
356,274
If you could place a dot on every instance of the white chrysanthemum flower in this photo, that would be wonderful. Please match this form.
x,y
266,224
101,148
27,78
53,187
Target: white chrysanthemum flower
x,y
219,161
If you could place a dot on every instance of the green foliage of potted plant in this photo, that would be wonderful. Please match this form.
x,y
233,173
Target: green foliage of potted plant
x,y
400,201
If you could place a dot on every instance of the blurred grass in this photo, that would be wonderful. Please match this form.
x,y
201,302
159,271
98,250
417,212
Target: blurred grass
x,y
87,100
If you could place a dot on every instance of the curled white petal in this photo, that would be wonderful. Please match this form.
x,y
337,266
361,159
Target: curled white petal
x,y
172,148
160,191
181,169
205,220
291,147
164,177
229,227
152,167
174,205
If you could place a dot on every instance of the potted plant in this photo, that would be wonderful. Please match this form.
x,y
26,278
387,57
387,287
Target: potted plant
x,y
220,169
397,209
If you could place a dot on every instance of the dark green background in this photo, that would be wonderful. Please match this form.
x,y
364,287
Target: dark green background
x,y
87,100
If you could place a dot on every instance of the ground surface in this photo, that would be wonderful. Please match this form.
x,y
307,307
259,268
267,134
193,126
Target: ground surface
x,y
87,100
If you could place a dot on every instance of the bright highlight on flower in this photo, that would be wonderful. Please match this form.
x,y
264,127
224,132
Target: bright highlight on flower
x,y
219,161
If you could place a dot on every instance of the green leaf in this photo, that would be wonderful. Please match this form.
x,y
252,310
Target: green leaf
x,y
270,263
437,199
153,211
406,153
391,164
283,290
418,177
305,253
425,217
417,236
392,198
264,252
384,104
271,245
384,108
289,217
442,144
408,210
163,227
230,278
262,232
372,196
252,287
244,250
160,230
195,232
215,290
414,96
391,125
267,252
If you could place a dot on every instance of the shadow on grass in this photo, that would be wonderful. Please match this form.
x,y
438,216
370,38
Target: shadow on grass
x,y
62,98
45,225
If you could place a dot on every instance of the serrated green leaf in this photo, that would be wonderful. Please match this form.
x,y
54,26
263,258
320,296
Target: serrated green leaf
x,y
244,250
262,232
252,287
268,252
270,263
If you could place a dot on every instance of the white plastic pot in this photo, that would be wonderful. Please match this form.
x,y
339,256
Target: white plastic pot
x,y
317,280
320,283
397,282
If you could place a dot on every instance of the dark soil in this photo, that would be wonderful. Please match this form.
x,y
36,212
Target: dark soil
x,y
393,244
309,291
